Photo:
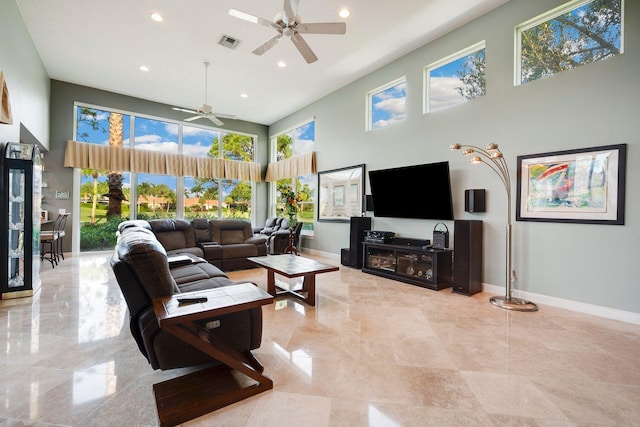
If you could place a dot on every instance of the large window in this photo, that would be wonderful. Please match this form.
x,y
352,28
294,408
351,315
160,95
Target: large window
x,y
455,79
574,34
217,198
156,195
386,104
299,140
146,195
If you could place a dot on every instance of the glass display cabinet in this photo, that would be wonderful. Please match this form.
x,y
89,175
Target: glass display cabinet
x,y
21,183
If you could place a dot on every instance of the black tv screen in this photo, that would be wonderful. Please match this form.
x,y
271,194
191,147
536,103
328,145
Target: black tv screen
x,y
420,191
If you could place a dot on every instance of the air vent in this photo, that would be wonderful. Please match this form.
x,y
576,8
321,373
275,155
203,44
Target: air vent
x,y
228,41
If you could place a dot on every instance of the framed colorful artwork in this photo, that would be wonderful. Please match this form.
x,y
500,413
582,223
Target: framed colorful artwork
x,y
581,186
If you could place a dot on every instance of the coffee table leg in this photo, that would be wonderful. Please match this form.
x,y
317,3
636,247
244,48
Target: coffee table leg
x,y
309,286
271,282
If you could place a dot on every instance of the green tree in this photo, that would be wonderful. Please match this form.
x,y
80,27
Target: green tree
x,y
472,76
115,178
589,34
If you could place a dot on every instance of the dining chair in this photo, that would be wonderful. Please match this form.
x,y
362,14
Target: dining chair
x,y
49,242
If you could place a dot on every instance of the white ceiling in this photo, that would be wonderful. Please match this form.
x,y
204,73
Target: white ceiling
x,y
102,44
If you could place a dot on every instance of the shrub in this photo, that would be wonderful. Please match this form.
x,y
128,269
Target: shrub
x,y
99,236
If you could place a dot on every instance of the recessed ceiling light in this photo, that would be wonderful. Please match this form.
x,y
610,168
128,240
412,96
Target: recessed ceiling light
x,y
244,95
282,64
157,17
144,68
344,13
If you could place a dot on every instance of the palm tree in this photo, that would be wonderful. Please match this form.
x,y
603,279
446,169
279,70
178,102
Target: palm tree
x,y
116,196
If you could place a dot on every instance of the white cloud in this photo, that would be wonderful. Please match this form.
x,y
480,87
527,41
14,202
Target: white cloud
x,y
443,93
393,106
198,149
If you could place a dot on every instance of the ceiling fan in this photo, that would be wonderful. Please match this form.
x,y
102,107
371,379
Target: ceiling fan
x,y
289,25
205,111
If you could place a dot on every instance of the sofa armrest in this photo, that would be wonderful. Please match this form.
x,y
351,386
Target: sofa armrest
x,y
212,250
258,239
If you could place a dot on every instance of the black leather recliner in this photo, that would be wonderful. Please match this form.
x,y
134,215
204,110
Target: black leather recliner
x,y
142,270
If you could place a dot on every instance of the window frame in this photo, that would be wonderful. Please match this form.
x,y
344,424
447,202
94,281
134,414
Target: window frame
x,y
369,101
426,78
134,176
548,16
273,157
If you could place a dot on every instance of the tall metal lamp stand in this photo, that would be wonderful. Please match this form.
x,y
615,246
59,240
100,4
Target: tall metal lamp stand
x,y
492,157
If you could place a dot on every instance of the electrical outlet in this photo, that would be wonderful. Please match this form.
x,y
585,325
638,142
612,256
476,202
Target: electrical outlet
x,y
213,324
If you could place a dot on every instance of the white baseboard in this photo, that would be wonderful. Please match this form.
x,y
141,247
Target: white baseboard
x,y
580,307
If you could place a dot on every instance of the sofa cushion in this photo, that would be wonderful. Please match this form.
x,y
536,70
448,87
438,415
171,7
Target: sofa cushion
x,y
201,229
241,250
173,233
230,237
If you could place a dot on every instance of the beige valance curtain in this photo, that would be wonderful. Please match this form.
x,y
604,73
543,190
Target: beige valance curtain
x,y
304,164
105,157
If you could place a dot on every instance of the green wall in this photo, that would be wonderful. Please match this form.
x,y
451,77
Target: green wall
x,y
26,78
597,104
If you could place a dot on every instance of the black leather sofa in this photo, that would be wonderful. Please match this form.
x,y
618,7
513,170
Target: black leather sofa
x,y
276,231
225,243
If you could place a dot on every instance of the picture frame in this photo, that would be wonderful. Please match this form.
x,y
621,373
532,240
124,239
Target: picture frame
x,y
341,193
62,194
44,215
585,186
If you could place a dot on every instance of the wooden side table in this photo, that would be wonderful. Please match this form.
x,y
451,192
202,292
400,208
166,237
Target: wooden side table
x,y
195,394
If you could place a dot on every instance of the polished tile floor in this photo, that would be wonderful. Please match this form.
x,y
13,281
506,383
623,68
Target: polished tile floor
x,y
373,352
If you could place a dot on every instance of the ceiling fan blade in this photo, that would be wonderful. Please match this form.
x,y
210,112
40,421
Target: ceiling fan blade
x,y
225,116
322,28
190,119
304,48
185,110
291,9
251,18
215,120
267,45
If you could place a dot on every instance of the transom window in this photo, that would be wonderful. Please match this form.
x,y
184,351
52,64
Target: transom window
x,y
567,37
387,104
455,79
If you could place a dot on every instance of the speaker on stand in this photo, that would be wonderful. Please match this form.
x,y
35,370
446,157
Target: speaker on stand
x,y
359,224
467,257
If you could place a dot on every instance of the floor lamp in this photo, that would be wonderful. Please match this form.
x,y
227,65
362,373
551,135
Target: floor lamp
x,y
492,157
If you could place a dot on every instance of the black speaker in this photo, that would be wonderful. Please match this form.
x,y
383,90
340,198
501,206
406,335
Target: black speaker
x,y
356,235
467,257
368,203
345,256
474,201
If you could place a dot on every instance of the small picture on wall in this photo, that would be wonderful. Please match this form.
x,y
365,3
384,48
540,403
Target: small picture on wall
x,y
62,194
44,215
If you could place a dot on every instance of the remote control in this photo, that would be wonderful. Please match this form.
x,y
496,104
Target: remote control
x,y
192,300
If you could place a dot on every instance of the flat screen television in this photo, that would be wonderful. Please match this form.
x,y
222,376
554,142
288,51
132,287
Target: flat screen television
x,y
420,191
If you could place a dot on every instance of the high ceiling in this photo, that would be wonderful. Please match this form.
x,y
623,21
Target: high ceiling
x,y
102,44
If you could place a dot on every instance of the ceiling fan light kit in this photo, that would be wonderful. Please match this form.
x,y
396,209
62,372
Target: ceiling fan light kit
x,y
289,25
205,111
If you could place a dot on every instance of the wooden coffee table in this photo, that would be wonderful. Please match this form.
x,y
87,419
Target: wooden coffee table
x,y
293,266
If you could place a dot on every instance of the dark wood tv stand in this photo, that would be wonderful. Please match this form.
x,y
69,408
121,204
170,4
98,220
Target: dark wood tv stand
x,y
426,267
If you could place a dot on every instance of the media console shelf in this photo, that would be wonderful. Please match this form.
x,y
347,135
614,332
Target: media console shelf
x,y
429,268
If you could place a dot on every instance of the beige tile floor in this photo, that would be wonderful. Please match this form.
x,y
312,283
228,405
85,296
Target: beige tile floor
x,y
373,352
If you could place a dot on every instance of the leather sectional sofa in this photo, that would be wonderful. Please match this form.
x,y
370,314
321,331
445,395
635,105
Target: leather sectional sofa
x,y
144,272
225,243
